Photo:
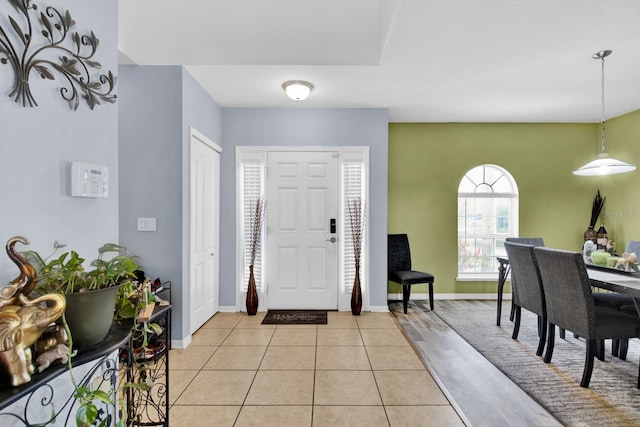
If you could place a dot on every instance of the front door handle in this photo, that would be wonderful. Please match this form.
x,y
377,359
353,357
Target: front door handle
x,y
332,240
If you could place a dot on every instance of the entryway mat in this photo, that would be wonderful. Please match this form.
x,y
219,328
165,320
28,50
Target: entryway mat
x,y
295,317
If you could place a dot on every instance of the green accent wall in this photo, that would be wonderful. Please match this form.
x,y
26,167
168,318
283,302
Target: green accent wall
x,y
428,160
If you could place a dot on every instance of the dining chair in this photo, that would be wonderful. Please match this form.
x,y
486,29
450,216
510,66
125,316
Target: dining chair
x,y
527,288
533,241
633,246
570,304
620,302
399,268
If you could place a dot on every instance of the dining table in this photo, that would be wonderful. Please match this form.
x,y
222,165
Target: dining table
x,y
620,281
611,279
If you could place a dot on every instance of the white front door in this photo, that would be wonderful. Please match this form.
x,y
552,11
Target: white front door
x,y
204,228
302,199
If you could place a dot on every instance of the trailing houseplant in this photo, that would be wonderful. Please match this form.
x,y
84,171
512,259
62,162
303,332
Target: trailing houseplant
x,y
114,269
91,294
66,273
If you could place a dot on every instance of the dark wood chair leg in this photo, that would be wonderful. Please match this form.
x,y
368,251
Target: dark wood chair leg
x,y
516,324
406,293
600,349
562,333
551,337
513,310
615,347
431,295
588,363
624,346
543,337
541,324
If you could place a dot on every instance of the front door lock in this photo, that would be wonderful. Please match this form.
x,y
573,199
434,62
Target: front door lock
x,y
332,240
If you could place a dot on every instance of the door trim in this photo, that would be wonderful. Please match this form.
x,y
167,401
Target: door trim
x,y
346,153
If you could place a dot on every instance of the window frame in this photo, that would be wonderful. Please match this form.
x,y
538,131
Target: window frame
x,y
513,231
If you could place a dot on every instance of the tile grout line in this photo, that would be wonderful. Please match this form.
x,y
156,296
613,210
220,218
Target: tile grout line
x,y
375,379
242,405
315,370
200,370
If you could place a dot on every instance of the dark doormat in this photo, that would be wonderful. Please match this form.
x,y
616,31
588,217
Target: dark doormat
x,y
295,317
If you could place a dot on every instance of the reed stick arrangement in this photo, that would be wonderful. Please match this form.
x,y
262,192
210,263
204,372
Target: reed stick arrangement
x,y
356,219
255,229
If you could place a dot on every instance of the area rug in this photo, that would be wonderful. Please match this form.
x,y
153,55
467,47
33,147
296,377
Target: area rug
x,y
295,317
612,397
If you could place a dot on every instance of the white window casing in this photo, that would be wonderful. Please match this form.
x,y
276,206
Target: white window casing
x,y
487,215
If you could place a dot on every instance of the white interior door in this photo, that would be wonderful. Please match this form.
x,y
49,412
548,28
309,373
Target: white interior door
x,y
204,228
302,198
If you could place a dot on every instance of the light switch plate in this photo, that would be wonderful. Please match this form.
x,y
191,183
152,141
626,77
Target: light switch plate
x,y
146,224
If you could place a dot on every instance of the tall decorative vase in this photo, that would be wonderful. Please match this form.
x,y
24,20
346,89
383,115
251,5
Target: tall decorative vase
x,y
356,294
252,294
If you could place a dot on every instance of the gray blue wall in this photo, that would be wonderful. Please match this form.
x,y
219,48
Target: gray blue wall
x,y
156,108
143,140
37,146
298,127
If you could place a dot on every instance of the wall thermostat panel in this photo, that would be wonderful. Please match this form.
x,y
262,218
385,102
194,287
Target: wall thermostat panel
x,y
89,180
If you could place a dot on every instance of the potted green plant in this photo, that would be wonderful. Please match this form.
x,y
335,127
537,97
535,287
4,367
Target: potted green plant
x,y
91,294
106,290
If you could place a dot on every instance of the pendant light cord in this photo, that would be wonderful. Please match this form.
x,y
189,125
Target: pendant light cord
x,y
602,98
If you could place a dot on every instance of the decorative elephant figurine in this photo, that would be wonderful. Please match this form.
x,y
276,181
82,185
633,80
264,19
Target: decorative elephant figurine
x,y
25,282
60,351
20,327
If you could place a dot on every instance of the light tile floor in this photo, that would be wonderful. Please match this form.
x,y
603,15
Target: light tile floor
x,y
356,370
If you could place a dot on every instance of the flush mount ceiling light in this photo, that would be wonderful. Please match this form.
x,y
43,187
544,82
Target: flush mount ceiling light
x,y
298,90
603,164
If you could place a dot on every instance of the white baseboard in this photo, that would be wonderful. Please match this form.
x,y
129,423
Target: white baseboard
x,y
373,308
439,296
379,308
181,344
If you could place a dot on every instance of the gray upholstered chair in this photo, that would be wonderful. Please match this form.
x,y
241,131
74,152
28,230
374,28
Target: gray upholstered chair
x,y
399,268
532,241
569,300
620,302
527,288
633,246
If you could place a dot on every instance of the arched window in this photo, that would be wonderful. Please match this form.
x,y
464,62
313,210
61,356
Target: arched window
x,y
487,215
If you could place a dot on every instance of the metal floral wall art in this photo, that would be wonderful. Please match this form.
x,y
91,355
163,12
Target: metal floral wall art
x,y
43,42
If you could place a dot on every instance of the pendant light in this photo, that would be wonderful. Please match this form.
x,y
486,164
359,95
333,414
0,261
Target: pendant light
x,y
603,164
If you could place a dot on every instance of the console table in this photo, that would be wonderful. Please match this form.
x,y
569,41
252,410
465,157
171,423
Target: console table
x,y
150,406
48,399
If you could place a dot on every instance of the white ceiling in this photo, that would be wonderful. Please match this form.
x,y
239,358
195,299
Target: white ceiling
x,y
423,60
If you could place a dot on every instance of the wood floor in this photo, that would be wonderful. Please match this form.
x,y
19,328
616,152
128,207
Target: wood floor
x,y
482,395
